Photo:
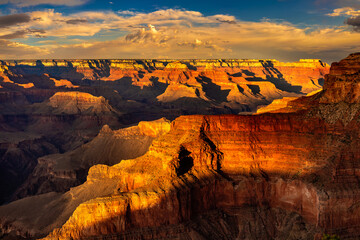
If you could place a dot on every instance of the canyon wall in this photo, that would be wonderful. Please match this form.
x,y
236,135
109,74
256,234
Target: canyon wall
x,y
223,162
240,85
291,174
302,162
66,102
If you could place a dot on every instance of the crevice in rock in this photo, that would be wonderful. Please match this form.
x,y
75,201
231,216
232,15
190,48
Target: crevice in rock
x,y
186,162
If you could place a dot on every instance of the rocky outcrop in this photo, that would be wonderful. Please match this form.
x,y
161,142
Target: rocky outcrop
x,y
176,91
79,102
343,82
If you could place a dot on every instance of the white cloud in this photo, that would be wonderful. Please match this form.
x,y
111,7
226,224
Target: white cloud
x,y
126,12
150,34
345,11
178,33
242,40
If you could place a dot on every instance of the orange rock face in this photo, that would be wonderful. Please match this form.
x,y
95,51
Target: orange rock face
x,y
304,163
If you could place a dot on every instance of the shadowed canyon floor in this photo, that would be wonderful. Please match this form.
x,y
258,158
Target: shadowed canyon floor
x,y
289,173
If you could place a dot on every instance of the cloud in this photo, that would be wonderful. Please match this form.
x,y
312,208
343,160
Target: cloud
x,y
345,11
27,3
90,23
76,21
126,12
57,25
176,33
207,44
16,50
354,16
17,34
224,18
149,35
354,22
241,40
13,19
23,33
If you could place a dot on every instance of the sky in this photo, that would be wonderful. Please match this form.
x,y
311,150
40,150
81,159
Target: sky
x,y
286,30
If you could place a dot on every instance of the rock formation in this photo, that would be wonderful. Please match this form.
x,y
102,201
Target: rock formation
x,y
79,102
281,105
29,131
292,174
66,102
60,172
238,84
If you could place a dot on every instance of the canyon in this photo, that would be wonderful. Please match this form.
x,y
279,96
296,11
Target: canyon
x,y
239,85
52,107
109,165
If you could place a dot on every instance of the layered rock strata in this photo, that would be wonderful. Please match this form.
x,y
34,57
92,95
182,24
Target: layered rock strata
x,y
79,102
70,100
237,84
293,174
298,162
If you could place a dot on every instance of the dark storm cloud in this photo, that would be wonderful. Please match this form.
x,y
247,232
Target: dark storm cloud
x,y
354,22
23,33
13,19
76,21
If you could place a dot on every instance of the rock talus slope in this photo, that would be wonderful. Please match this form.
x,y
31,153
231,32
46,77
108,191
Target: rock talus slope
x,y
301,166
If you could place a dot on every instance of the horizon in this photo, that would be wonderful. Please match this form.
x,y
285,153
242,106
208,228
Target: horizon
x,y
164,59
